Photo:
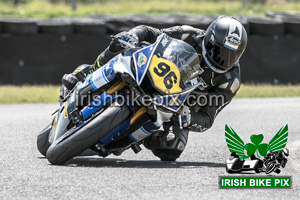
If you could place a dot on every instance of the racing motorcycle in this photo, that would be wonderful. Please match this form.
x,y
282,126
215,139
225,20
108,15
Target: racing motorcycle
x,y
99,117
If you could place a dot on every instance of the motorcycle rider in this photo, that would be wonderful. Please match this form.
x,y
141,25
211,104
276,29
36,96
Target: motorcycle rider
x,y
219,47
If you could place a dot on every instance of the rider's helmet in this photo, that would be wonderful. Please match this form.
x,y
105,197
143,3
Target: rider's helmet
x,y
285,152
223,44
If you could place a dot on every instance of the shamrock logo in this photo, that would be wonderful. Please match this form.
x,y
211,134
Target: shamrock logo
x,y
236,144
257,146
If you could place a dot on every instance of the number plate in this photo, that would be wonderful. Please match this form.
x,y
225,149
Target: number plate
x,y
165,75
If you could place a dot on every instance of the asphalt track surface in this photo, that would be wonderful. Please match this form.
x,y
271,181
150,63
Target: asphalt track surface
x,y
25,174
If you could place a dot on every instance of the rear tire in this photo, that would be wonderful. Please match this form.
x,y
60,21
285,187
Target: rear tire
x,y
88,135
43,140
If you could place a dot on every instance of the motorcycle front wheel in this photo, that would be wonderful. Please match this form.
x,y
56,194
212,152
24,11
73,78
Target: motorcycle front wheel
x,y
43,140
88,135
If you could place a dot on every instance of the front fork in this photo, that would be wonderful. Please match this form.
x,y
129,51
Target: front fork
x,y
119,86
136,116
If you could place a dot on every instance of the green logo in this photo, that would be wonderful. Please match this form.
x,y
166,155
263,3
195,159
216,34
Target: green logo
x,y
250,182
141,60
174,101
237,145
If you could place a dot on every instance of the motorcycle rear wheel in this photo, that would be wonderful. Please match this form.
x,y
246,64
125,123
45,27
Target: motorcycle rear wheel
x,y
89,135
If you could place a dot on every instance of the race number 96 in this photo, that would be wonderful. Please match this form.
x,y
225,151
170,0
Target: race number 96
x,y
165,75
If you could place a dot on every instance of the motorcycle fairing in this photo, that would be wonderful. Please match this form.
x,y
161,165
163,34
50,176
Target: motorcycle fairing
x,y
62,118
142,59
101,77
118,64
99,102
60,123
116,132
175,101
109,137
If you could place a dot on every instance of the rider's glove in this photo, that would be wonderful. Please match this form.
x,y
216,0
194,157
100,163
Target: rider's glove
x,y
130,39
185,117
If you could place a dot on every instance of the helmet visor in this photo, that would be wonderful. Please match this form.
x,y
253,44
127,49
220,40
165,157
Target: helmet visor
x,y
222,57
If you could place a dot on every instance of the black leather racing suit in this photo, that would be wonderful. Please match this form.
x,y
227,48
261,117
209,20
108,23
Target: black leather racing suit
x,y
224,86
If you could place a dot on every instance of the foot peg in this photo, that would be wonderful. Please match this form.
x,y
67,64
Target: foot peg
x,y
136,148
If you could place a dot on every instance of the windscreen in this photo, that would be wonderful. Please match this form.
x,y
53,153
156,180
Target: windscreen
x,y
174,66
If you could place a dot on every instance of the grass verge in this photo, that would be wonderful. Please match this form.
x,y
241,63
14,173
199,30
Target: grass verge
x,y
28,94
45,9
49,93
249,91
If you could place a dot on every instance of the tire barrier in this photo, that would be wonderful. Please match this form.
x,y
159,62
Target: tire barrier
x,y
115,24
41,51
89,26
45,58
284,15
290,19
271,60
149,20
276,23
201,22
266,26
70,25
57,26
19,26
293,27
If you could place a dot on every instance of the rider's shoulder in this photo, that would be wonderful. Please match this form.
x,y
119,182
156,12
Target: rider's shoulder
x,y
230,80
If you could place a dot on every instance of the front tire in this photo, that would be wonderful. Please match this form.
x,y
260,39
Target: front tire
x,y
43,140
88,135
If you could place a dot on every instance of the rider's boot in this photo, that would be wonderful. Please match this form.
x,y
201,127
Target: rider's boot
x,y
167,145
70,80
